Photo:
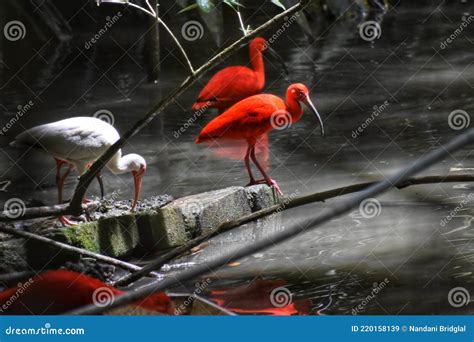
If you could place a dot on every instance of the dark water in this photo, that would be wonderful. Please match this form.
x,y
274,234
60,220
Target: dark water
x,y
334,268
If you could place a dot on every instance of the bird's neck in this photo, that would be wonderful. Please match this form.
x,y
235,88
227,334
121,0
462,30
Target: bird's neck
x,y
117,164
294,108
256,59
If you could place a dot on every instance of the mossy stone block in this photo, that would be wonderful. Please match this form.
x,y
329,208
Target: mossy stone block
x,y
261,196
118,236
203,213
161,229
84,235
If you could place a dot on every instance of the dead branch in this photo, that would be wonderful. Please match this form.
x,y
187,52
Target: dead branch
x,y
309,223
68,248
284,205
37,212
85,180
76,207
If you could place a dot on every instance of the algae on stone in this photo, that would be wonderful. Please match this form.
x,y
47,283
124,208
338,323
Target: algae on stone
x,y
83,235
118,236
163,229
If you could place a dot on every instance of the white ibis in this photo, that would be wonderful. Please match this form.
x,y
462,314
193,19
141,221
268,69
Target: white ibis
x,y
78,142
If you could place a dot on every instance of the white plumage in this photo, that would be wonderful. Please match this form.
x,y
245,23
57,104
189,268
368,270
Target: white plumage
x,y
80,141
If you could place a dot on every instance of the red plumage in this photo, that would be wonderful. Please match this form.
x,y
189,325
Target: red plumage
x,y
247,119
59,291
232,84
256,115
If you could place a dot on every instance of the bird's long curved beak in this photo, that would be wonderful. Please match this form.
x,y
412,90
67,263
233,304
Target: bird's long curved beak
x,y
137,177
307,102
278,58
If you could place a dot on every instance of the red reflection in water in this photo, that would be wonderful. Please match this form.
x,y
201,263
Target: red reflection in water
x,y
256,298
59,291
236,149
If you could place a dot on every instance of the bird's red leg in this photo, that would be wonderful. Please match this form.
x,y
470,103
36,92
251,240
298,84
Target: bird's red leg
x,y
61,179
247,165
65,221
59,165
98,176
267,179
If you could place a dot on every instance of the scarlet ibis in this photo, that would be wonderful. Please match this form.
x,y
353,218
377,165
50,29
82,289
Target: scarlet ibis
x,y
235,83
78,142
59,291
256,115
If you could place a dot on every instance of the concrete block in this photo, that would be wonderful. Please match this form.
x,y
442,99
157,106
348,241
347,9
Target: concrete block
x,y
205,212
41,255
161,229
118,236
189,217
261,196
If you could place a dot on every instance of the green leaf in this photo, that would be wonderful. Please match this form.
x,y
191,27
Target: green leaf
x,y
278,3
205,5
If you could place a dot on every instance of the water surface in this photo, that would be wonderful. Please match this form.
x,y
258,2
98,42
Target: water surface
x,y
335,267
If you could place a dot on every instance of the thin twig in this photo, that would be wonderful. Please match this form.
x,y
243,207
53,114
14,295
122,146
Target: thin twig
x,y
68,248
242,25
86,179
151,12
178,44
309,223
284,205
